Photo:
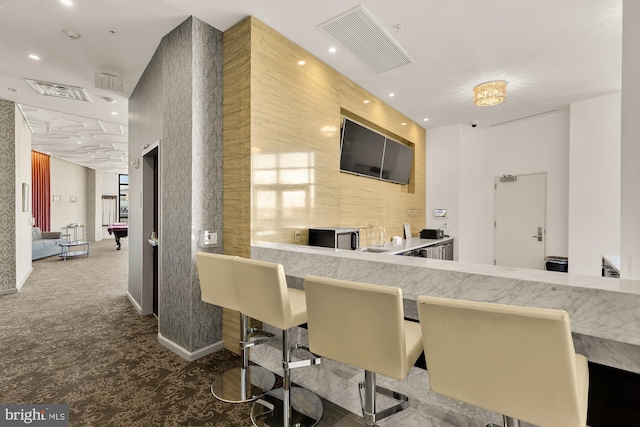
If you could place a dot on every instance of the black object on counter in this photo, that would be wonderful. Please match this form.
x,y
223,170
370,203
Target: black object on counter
x,y
556,263
430,233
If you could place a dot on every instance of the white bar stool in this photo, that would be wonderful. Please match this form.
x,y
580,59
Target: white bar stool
x,y
263,295
517,361
363,325
218,287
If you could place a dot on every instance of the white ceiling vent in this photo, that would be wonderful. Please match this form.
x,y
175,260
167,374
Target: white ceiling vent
x,y
58,90
361,34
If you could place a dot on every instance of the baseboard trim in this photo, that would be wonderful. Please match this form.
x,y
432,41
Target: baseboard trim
x,y
187,355
24,280
134,303
10,291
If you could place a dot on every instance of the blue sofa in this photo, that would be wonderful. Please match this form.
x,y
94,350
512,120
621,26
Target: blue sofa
x,y
44,244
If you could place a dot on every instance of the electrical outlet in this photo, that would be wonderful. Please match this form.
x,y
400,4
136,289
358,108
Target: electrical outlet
x,y
297,236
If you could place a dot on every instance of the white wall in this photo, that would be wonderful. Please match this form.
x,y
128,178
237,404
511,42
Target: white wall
x,y
594,183
443,181
110,183
474,192
23,219
534,146
68,180
477,157
630,196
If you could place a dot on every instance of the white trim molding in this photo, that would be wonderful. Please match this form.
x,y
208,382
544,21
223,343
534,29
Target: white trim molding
x,y
24,280
190,356
134,303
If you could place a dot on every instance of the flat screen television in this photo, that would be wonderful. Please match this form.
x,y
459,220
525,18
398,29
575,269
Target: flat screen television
x,y
368,153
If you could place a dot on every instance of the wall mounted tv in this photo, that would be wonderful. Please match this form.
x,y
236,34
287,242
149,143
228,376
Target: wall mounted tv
x,y
368,153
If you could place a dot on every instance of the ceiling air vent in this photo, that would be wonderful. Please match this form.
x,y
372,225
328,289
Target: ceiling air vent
x,y
361,34
58,90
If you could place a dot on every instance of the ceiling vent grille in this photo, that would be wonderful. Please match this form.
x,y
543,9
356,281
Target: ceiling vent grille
x,y
58,90
363,36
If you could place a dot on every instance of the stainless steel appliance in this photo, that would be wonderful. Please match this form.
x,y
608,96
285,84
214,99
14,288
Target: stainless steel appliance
x,y
335,237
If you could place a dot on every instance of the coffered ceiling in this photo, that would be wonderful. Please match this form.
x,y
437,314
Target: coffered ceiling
x,y
550,52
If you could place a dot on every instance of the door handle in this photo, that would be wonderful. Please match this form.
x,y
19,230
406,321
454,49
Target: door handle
x,y
539,235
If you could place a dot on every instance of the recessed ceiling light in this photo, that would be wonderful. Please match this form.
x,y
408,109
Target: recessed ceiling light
x,y
78,142
34,56
366,101
425,119
66,2
114,113
12,89
332,50
301,62
392,94
109,99
403,124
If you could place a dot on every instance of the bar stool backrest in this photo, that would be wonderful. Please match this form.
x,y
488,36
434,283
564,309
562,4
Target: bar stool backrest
x,y
217,280
359,324
517,361
262,292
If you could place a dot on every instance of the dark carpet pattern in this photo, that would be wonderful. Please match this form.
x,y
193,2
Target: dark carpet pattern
x,y
71,337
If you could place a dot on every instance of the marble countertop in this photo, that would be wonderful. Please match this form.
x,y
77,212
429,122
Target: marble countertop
x,y
551,277
410,244
606,308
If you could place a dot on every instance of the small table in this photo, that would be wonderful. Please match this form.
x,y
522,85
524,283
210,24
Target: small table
x,y
66,253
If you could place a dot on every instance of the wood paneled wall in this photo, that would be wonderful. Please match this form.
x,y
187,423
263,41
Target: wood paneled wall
x,y
282,146
281,134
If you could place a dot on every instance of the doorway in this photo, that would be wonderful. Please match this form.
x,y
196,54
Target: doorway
x,y
151,232
520,220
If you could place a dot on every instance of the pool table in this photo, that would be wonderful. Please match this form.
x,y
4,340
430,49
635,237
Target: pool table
x,y
118,230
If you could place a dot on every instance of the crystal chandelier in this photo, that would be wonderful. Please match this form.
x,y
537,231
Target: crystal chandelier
x,y
490,93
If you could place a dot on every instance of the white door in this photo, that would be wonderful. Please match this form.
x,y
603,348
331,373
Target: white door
x,y
520,221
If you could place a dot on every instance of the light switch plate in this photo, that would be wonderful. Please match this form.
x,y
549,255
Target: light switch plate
x,y
210,238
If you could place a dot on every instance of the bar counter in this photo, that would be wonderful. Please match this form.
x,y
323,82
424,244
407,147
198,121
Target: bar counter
x,y
605,312
604,315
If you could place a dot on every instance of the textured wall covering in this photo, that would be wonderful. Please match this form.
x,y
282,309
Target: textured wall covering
x,y
180,94
175,293
93,184
206,201
7,196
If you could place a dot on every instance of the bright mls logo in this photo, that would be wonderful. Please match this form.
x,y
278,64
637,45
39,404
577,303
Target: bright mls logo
x,y
35,415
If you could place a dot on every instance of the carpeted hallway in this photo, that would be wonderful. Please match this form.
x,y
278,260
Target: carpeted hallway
x,y
70,336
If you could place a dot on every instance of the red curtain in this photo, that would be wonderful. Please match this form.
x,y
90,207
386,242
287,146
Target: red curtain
x,y
41,184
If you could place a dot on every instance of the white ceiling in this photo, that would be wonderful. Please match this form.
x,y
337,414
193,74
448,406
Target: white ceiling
x,y
551,52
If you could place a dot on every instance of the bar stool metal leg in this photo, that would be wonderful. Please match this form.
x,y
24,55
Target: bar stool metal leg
x,y
370,413
245,383
288,406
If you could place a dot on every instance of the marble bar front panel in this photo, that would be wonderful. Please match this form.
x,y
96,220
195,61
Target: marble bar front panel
x,y
605,312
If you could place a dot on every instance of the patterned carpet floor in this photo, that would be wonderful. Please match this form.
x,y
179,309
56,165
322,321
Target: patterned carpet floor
x,y
70,336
